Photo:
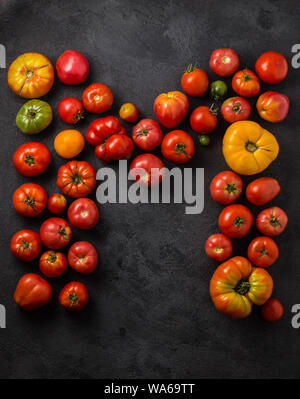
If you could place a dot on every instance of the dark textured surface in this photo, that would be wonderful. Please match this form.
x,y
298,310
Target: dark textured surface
x,y
149,314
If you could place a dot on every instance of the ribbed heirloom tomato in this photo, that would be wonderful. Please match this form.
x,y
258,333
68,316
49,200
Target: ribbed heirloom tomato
x,y
117,146
83,213
55,233
218,247
29,199
235,220
271,221
32,292
57,203
170,108
76,179
25,245
74,296
226,187
224,61
83,257
262,190
147,134
72,67
53,264
271,67
194,81
263,251
101,129
31,159
245,83
97,98
272,106
178,146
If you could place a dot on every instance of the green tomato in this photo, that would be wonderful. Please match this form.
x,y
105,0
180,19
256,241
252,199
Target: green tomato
x,y
218,90
34,116
204,139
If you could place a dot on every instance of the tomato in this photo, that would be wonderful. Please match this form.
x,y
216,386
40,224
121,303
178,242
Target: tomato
x,y
101,129
129,112
31,159
204,140
57,203
83,213
55,233
29,199
97,98
147,134
272,106
262,190
178,146
70,110
235,220
271,221
118,146
194,81
69,143
203,119
76,179
74,296
72,67
271,67
53,264
170,108
245,83
224,62
34,116
218,90
146,170
218,247
25,245
272,310
263,251
226,187
235,109
31,75
32,292
83,257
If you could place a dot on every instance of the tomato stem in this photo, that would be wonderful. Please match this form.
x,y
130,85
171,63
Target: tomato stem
x,y
242,287
52,257
30,201
73,298
251,147
231,188
212,110
180,149
29,160
238,222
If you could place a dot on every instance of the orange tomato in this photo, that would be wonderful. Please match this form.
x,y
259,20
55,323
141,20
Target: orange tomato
x,y
129,112
69,143
272,106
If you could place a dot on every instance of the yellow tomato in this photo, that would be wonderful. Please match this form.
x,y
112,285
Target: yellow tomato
x,y
248,148
69,143
129,112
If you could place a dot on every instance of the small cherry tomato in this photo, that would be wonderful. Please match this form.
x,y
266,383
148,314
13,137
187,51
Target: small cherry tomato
x,y
235,220
262,190
53,264
224,62
263,251
74,296
218,90
57,203
170,108
25,245
271,221
129,112
203,119
218,247
29,200
32,292
83,213
118,146
70,110
97,98
272,310
31,159
271,67
178,146
226,187
72,67
204,140
235,109
55,233
272,106
194,81
146,169
245,83
147,134
69,143
83,257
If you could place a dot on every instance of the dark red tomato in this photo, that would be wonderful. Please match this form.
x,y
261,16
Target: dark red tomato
x,y
178,146
74,296
31,159
272,106
83,257
170,108
272,310
83,213
146,169
235,109
97,98
57,203
262,190
29,199
70,110
263,251
271,221
25,245
147,134
235,221
118,147
32,292
72,67
194,81
271,67
226,187
218,247
101,129
101,153
55,233
245,83
224,61
203,119
53,264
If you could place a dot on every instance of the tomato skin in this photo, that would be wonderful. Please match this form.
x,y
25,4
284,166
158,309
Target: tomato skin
x,y
146,162
224,62
83,257
31,159
235,109
170,108
147,134
218,247
235,221
272,310
83,213
25,245
69,143
74,296
70,110
32,292
76,179
129,112
272,106
53,264
271,67
97,98
57,203
271,221
203,120
101,129
194,81
55,233
226,187
245,83
263,251
118,146
29,200
72,67
178,146
262,190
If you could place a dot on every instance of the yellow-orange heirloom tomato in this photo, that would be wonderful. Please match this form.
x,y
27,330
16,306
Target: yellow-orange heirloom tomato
x,y
31,75
236,285
69,143
248,148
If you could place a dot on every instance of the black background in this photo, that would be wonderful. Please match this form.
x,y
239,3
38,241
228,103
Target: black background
x,y
150,314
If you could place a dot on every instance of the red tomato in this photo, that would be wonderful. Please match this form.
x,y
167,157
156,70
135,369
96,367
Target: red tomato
x,y
97,98
272,106
83,257
203,119
31,159
271,221
74,296
178,146
245,83
194,81
235,109
224,61
83,213
272,310
218,247
25,245
170,108
271,67
129,113
235,220
147,134
72,67
53,264
57,204
262,190
70,110
29,199
263,251
141,169
226,187
55,233
118,147
101,129
32,292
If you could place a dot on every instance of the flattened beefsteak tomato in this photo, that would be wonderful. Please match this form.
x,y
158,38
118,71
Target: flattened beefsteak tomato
x,y
76,179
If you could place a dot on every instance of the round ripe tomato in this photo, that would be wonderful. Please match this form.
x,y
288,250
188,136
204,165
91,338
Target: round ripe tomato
x,y
32,292
203,119
271,67
235,109
129,112
70,110
262,190
53,264
272,106
147,134
56,204
31,159
55,233
235,221
178,146
101,129
170,108
118,146
72,67
97,98
74,296
83,257
272,310
245,83
29,199
83,213
226,187
224,62
76,179
25,245
146,169
218,247
101,154
194,81
69,143
271,221
263,251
